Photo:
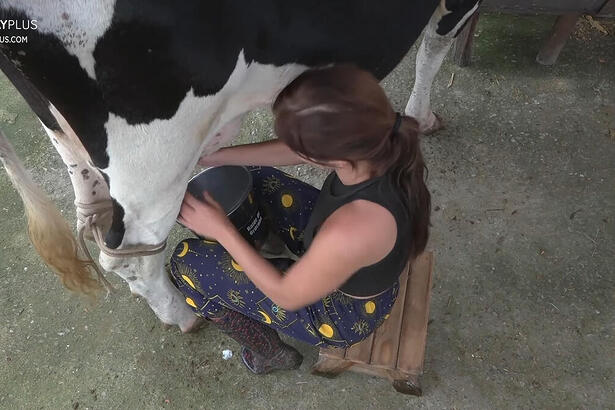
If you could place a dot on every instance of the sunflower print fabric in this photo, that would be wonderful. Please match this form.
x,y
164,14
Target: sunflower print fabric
x,y
209,278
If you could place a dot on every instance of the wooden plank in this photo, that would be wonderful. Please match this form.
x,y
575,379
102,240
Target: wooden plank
x,y
390,374
416,315
365,368
361,352
386,337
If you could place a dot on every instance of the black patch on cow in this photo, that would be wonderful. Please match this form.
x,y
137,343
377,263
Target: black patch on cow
x,y
106,178
156,51
116,232
59,77
114,237
459,9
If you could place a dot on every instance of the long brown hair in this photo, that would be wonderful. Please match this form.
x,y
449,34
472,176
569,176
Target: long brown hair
x,y
342,113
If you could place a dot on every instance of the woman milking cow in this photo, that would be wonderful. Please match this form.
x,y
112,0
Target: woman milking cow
x,y
352,239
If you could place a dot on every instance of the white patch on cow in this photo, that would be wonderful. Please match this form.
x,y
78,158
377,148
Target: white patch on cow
x,y
145,276
150,164
77,24
158,157
227,133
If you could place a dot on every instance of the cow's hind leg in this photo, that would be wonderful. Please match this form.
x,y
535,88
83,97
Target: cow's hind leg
x,y
446,22
145,275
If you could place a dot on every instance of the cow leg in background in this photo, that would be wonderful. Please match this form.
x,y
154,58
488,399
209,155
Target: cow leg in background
x,y
443,27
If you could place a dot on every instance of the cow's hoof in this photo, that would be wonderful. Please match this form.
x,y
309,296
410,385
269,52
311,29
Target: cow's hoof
x,y
433,125
197,325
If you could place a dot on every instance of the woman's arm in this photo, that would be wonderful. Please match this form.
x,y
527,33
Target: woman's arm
x,y
356,235
269,153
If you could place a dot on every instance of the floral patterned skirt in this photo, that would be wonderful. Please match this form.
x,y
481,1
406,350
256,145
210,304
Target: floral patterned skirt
x,y
210,279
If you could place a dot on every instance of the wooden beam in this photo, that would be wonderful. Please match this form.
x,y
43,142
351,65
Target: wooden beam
x,y
557,39
608,10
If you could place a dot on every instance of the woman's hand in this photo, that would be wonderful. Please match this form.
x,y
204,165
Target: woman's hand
x,y
210,160
206,218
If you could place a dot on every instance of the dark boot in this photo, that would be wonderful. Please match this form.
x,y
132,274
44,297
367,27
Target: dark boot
x,y
262,349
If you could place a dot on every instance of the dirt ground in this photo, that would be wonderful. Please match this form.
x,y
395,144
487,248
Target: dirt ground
x,y
523,307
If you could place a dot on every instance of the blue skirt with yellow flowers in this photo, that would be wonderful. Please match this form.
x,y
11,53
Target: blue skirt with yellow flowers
x,y
210,279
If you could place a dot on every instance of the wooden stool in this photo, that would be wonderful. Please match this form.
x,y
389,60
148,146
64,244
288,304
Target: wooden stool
x,y
397,348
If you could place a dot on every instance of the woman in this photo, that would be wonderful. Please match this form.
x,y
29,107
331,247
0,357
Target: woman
x,y
354,238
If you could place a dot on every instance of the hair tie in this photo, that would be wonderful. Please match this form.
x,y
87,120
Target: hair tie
x,y
397,124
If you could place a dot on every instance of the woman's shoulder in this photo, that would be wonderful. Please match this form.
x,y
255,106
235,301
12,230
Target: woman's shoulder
x,y
363,226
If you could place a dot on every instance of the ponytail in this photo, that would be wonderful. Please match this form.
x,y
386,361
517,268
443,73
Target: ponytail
x,y
409,173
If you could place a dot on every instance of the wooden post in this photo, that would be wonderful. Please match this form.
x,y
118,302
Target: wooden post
x,y
608,10
462,48
560,33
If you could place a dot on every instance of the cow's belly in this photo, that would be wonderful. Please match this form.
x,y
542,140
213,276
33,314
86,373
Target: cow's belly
x,y
154,161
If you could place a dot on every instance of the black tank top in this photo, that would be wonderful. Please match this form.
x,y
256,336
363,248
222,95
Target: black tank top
x,y
376,278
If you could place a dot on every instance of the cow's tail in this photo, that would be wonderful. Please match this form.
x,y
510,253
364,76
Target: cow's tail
x,y
48,230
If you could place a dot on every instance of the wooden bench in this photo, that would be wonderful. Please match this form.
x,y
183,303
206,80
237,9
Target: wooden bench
x,y
397,348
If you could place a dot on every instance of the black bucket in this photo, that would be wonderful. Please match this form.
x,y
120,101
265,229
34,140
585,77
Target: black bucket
x,y
231,187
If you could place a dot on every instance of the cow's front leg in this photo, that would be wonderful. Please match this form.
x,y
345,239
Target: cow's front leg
x,y
147,278
438,37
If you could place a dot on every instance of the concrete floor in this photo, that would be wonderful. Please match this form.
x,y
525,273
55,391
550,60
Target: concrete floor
x,y
523,310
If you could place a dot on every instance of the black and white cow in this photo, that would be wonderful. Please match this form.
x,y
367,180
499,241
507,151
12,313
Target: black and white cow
x,y
133,92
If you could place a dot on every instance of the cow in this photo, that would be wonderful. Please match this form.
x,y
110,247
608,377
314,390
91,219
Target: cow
x,y
133,92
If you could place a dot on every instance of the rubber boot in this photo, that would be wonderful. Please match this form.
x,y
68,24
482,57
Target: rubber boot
x,y
262,349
